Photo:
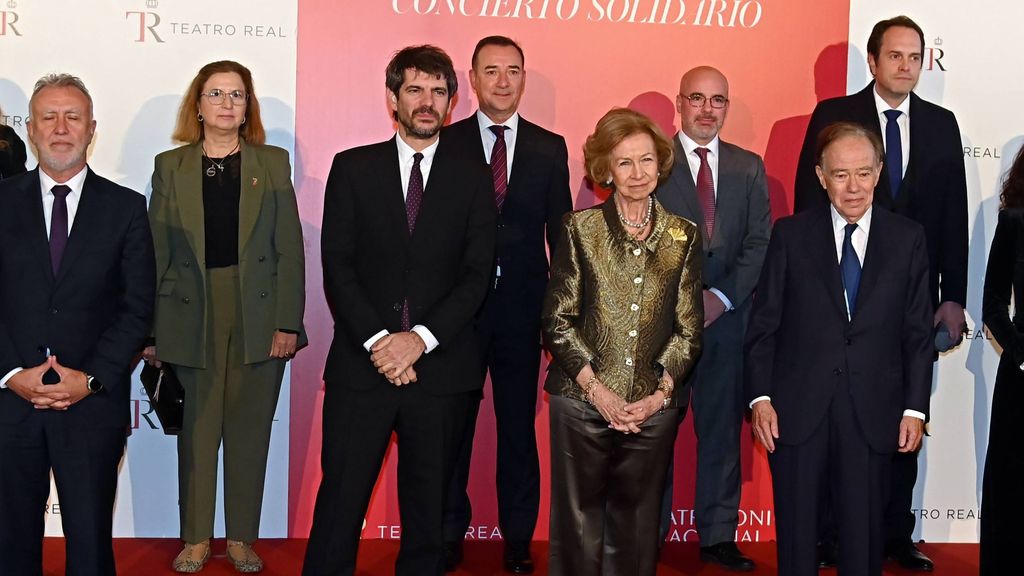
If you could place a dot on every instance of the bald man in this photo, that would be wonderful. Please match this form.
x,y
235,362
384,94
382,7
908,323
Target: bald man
x,y
722,188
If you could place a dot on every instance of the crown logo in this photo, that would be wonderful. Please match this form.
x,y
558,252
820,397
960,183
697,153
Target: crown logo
x,y
12,4
938,41
152,3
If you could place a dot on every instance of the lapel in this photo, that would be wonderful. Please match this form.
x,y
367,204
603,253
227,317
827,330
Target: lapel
x,y
729,180
681,183
253,186
874,257
84,227
521,156
35,222
822,244
188,191
434,191
391,186
918,127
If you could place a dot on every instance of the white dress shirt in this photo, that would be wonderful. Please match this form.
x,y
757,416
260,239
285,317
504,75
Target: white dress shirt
x,y
690,147
904,123
46,185
859,239
487,138
405,163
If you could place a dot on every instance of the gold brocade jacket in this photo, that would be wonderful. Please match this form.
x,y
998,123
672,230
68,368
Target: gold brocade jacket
x,y
629,308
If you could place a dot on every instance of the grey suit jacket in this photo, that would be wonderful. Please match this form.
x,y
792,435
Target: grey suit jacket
x,y
733,257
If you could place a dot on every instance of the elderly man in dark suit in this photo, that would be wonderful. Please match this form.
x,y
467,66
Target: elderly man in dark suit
x,y
78,285
408,247
839,357
923,179
722,188
529,168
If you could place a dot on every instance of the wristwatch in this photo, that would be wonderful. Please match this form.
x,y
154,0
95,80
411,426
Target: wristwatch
x,y
93,384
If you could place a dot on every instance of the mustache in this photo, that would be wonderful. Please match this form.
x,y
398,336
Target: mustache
x,y
426,110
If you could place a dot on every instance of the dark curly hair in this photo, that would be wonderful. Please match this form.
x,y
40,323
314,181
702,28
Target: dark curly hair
x,y
1012,195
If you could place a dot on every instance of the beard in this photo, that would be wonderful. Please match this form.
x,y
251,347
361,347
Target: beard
x,y
60,162
421,132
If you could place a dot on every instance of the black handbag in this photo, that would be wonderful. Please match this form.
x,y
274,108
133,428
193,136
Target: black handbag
x,y
166,395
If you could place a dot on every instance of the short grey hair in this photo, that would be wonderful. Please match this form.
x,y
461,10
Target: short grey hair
x,y
61,80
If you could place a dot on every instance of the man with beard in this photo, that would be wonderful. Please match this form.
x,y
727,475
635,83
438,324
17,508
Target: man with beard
x,y
79,280
407,248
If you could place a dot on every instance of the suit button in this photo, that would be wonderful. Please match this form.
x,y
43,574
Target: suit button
x,y
263,294
186,299
261,258
396,307
838,371
849,342
711,254
53,310
186,263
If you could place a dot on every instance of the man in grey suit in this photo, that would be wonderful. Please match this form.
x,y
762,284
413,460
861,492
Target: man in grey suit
x,y
722,188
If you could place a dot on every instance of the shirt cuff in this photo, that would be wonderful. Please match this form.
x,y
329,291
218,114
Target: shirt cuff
x,y
914,413
725,299
427,336
3,381
373,339
758,399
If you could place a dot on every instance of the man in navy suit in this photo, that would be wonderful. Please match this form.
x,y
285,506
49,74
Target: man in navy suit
x,y
77,285
529,169
923,179
839,357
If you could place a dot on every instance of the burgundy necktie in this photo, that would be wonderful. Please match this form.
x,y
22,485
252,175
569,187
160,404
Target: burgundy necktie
x,y
499,165
413,199
58,225
706,191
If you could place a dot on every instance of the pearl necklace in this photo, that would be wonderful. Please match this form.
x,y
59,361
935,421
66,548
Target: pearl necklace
x,y
220,166
646,220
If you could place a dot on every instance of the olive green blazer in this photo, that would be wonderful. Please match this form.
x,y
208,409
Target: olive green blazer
x,y
270,253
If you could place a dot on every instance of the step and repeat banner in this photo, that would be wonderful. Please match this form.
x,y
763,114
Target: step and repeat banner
x,y
319,66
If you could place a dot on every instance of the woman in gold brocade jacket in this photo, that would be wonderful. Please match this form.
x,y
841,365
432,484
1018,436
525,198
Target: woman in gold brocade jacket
x,y
623,318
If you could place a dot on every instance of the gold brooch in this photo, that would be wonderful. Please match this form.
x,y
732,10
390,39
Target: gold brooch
x,y
255,181
677,235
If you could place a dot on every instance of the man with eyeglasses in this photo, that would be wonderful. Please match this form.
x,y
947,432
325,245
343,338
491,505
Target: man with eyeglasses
x,y
923,179
722,188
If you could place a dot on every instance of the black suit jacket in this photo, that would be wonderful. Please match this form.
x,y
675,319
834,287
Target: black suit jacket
x,y
372,265
96,312
934,188
800,344
538,196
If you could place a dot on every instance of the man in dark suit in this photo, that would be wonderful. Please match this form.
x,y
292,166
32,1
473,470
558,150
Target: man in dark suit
x,y
78,284
407,247
923,179
529,168
839,357
722,188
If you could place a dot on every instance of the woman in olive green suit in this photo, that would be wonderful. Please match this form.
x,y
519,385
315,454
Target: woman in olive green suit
x,y
231,285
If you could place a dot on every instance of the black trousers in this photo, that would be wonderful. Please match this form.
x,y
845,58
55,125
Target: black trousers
x,y
835,464
84,465
511,353
357,427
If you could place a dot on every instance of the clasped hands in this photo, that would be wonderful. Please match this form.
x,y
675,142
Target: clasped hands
x,y
28,383
621,416
394,355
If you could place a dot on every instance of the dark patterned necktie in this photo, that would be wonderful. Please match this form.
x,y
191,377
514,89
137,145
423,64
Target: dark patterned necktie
x,y
850,267
58,225
499,165
413,200
706,191
894,151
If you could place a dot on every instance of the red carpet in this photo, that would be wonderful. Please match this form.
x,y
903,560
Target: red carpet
x,y
152,557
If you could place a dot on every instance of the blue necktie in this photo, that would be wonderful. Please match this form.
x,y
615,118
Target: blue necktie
x,y
850,267
893,151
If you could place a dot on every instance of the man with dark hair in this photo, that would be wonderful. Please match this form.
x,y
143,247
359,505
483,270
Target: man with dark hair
x,y
79,282
839,356
529,169
407,247
923,178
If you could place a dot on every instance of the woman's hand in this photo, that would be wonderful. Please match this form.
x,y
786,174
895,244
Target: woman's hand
x,y
283,345
149,355
644,408
612,408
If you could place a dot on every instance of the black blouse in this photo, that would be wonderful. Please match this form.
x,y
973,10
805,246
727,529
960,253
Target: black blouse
x,y
221,194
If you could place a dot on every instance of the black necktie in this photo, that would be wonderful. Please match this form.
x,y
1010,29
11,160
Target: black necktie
x,y
58,225
894,151
850,266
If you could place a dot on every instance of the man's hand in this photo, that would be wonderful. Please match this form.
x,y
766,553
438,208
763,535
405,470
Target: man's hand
x,y
149,355
765,424
73,385
283,345
393,354
951,315
911,432
28,382
713,307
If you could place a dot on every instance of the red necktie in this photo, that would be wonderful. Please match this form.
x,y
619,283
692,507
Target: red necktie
x,y
499,165
706,191
413,199
58,225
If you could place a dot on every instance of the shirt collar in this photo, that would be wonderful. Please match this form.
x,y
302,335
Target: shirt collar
x,y
485,122
406,152
839,223
76,182
881,105
689,145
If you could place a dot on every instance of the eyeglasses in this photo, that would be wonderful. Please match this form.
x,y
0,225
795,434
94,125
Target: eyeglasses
x,y
697,100
216,96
